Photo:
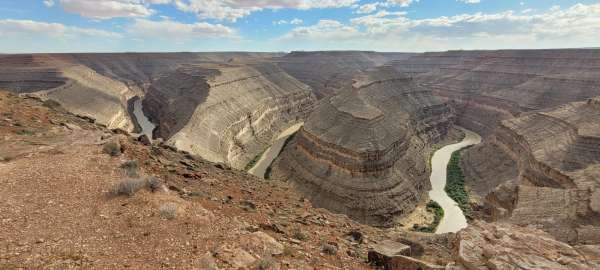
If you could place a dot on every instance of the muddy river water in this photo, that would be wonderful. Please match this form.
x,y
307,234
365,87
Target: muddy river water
x,y
272,152
142,120
453,219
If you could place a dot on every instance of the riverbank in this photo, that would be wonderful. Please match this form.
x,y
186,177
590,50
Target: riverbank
x,y
454,218
261,166
455,183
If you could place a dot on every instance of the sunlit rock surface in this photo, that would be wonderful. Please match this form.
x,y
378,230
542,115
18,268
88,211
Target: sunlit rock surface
x,y
364,152
227,112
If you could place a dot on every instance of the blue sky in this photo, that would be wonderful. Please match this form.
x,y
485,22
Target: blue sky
x,y
285,25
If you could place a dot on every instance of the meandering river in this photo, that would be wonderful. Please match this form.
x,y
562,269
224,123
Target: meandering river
x,y
142,120
454,219
272,152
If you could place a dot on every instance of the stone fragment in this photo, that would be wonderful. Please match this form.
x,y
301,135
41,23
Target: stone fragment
x,y
382,253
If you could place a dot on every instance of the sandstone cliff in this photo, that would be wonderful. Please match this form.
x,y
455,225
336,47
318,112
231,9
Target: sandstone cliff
x,y
78,88
364,152
540,149
227,112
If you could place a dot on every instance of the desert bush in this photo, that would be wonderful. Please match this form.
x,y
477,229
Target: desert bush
x,y
455,183
168,211
131,168
129,187
265,263
112,148
438,214
329,249
300,235
153,183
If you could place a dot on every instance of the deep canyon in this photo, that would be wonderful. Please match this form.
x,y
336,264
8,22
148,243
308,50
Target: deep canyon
x,y
366,125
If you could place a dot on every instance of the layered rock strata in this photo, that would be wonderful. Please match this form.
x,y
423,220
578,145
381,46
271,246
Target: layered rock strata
x,y
77,88
328,72
558,157
542,160
489,86
364,152
227,112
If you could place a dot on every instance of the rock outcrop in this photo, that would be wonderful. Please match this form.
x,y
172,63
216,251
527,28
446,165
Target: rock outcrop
x,y
227,112
364,152
558,157
483,246
77,88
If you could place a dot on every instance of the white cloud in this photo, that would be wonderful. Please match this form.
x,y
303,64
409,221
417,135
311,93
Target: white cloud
x,y
49,3
470,1
232,10
294,21
10,27
107,9
167,29
402,3
576,26
367,8
330,30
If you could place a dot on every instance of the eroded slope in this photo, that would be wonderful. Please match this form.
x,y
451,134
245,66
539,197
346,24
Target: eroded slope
x,y
363,153
227,112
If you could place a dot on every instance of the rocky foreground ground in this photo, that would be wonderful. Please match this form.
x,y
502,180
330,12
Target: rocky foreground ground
x,y
73,199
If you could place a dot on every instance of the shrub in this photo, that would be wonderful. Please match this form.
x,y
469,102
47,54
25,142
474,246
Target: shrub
x,y
300,235
131,168
112,148
153,183
455,183
168,211
129,187
265,263
329,249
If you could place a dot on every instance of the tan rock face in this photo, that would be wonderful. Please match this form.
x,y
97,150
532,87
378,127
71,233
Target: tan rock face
x,y
227,113
328,73
364,152
502,246
537,113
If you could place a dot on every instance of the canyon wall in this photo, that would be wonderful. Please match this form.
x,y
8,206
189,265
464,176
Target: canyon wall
x,y
558,157
223,106
538,164
364,152
227,112
77,88
328,72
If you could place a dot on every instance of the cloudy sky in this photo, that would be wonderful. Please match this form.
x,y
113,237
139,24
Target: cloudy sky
x,y
286,25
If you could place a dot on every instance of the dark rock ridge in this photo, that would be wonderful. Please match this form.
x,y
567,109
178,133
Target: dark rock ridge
x,y
364,152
